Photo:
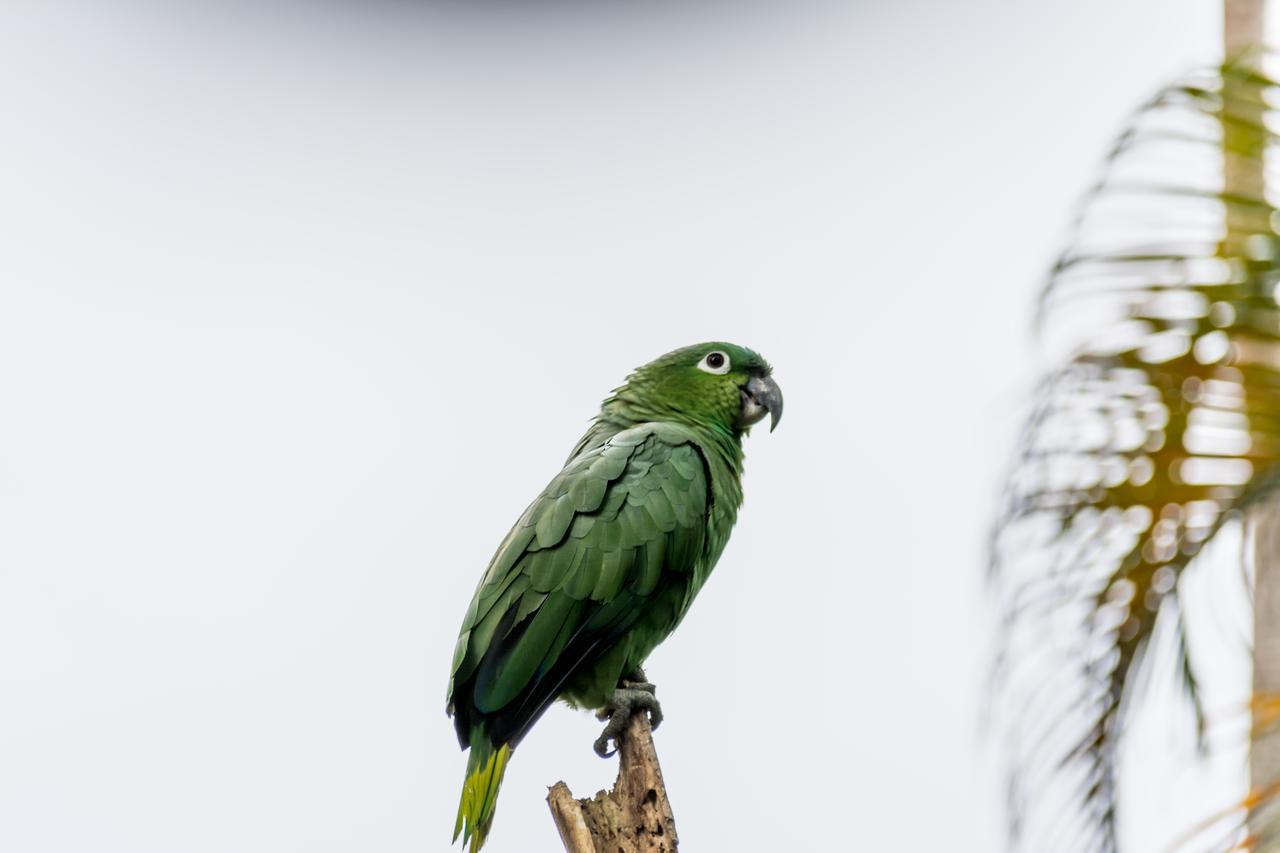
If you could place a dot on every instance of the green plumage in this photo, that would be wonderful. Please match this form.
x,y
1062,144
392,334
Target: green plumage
x,y
603,565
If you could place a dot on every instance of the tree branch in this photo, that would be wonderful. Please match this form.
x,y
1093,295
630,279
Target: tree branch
x,y
634,817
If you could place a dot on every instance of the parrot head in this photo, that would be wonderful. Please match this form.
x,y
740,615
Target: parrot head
x,y
715,384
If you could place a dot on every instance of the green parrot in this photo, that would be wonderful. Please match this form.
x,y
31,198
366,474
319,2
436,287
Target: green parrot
x,y
605,562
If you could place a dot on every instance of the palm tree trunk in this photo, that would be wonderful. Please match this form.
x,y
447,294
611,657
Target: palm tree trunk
x,y
1242,25
1243,28
1264,750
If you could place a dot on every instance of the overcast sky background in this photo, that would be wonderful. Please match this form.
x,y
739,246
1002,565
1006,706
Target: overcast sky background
x,y
300,306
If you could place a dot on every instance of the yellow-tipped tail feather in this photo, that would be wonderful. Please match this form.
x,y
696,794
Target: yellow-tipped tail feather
x,y
485,768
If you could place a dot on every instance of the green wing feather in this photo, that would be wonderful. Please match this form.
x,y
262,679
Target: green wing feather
x,y
584,557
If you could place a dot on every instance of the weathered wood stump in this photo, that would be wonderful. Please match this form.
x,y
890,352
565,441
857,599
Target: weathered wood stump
x,y
634,817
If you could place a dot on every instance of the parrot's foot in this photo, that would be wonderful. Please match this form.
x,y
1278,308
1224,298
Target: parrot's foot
x,y
633,694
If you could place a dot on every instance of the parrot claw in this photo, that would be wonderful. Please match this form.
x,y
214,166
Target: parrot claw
x,y
629,697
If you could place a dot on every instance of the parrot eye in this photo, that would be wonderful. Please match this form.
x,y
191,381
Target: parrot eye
x,y
714,362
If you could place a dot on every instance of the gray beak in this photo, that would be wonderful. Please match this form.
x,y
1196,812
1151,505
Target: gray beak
x,y
760,396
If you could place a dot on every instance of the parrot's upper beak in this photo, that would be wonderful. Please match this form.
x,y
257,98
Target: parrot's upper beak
x,y
760,395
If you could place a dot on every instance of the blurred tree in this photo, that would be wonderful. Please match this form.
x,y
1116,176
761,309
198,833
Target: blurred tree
x,y
1159,428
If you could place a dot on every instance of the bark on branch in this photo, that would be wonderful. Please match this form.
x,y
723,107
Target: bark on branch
x,y
633,817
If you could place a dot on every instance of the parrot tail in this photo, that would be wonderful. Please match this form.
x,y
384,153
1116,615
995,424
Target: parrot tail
x,y
485,768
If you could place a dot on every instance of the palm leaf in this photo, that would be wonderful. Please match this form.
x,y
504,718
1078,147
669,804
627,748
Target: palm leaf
x,y
1158,426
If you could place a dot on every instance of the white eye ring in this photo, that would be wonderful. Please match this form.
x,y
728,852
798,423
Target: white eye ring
x,y
716,362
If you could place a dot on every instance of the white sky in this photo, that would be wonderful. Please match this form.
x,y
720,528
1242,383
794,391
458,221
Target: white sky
x,y
298,309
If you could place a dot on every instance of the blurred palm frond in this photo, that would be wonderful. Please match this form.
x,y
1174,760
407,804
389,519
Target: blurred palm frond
x,y
1160,423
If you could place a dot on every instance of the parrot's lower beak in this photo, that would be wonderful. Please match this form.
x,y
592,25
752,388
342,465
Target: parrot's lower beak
x,y
760,396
